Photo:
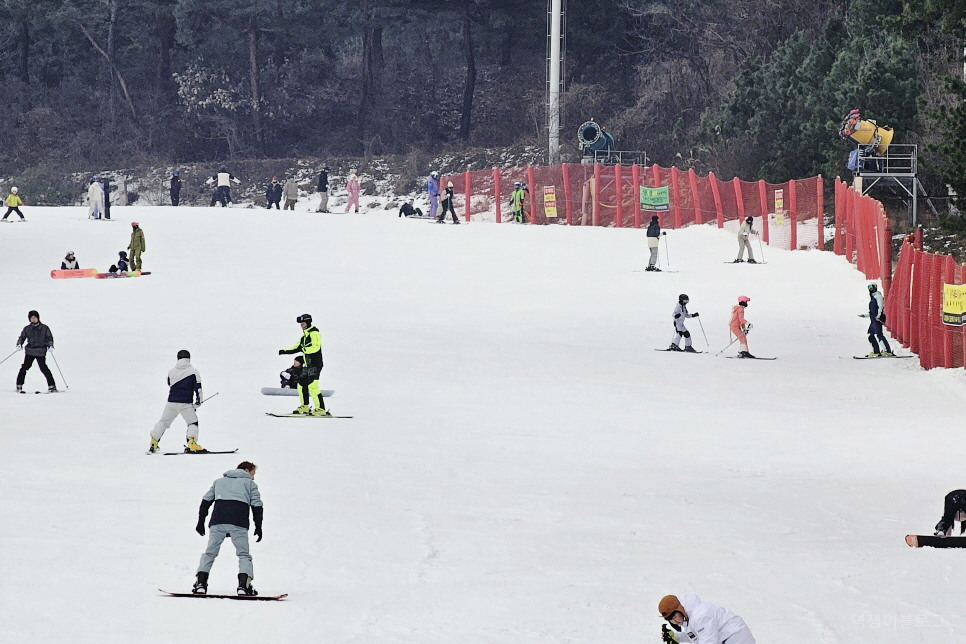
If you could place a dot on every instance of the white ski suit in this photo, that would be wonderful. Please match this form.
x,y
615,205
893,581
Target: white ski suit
x,y
744,240
680,315
709,623
95,199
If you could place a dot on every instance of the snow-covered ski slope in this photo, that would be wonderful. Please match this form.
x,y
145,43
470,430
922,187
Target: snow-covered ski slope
x,y
522,465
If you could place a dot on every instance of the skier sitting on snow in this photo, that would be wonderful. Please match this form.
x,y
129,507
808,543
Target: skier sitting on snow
x,y
232,495
739,327
954,509
69,263
744,241
184,398
290,377
680,315
407,210
700,622
122,263
878,318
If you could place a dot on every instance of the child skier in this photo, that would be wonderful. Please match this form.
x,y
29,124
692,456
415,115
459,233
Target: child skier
x,y
680,315
232,495
878,318
184,398
352,187
739,327
291,376
13,203
448,204
122,264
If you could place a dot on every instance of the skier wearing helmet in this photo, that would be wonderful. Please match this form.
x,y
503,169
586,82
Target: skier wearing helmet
x,y
517,199
136,246
700,622
680,331
310,346
13,204
739,327
432,186
744,241
877,319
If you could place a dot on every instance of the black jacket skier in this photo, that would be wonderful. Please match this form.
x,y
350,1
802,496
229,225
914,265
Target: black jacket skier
x,y
38,338
175,188
273,194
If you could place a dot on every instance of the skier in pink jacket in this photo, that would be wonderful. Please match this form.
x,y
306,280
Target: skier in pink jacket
x,y
352,187
739,327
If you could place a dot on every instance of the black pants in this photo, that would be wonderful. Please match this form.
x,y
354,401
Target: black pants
x,y
875,331
11,209
28,362
447,206
175,197
274,202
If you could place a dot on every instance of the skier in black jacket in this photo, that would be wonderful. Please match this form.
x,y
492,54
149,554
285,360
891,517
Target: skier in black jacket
x,y
954,509
273,194
175,188
38,338
324,189
653,239
407,210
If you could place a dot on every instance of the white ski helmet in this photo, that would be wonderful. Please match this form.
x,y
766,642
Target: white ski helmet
x,y
14,190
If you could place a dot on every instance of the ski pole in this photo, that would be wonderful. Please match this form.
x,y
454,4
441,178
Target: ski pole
x,y
705,334
667,253
761,249
725,349
10,356
66,386
210,397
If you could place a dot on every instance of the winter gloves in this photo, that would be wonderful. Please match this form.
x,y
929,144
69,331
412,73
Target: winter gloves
x,y
202,515
257,513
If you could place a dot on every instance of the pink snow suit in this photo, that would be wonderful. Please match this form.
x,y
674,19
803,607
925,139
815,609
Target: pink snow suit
x,y
352,187
738,324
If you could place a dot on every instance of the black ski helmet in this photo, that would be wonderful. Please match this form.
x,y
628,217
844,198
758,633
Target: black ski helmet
x,y
122,254
683,298
749,220
305,317
183,354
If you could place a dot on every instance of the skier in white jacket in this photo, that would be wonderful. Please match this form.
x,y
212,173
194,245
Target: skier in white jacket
x,y
95,199
680,331
700,622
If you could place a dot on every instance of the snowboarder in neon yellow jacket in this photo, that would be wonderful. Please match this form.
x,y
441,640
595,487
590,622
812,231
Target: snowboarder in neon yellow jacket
x,y
310,346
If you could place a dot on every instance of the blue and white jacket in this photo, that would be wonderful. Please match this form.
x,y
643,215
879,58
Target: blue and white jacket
x,y
232,495
185,383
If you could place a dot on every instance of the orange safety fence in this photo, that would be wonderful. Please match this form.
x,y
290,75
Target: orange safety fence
x,y
790,215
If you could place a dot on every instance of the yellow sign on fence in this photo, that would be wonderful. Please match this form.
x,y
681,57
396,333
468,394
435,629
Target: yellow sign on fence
x,y
954,304
550,202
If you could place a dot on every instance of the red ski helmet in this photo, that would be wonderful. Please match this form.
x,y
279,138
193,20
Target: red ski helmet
x,y
743,298
135,224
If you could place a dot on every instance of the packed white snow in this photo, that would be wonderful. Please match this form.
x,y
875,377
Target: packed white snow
x,y
522,465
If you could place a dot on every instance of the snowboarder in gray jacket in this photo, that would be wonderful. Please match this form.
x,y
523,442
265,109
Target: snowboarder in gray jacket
x,y
232,495
38,338
680,331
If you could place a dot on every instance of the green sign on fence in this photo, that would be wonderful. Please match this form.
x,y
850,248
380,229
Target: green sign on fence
x,y
655,199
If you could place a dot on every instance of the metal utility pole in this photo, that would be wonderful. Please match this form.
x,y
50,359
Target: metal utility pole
x,y
554,65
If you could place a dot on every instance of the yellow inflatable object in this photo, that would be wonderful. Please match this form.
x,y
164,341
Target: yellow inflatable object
x,y
868,133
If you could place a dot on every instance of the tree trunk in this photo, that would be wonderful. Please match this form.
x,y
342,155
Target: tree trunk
x,y
111,57
367,75
470,84
252,33
23,44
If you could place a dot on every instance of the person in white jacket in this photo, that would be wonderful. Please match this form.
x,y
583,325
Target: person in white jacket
x,y
700,622
95,199
745,231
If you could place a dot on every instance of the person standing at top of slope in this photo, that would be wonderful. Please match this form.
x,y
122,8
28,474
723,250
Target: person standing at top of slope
x,y
273,194
653,240
954,509
70,262
352,187
744,241
310,346
223,182
432,187
517,200
95,199
175,189
680,331
232,495
700,622
323,189
136,245
291,191
38,338
13,203
184,398
739,327
877,319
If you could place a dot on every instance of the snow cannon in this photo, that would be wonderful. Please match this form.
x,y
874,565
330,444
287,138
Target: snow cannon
x,y
866,132
593,137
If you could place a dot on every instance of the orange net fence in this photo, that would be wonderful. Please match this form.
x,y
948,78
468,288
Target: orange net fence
x,y
790,215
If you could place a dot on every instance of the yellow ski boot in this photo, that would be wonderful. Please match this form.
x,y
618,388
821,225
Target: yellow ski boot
x,y
155,446
302,409
320,412
193,446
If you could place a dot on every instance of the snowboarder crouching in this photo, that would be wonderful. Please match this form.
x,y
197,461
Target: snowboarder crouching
x,y
739,327
407,210
954,509
680,331
38,338
699,622
232,495
290,377
122,265
184,398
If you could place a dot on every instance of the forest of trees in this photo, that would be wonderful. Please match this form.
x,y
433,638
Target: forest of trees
x,y
753,88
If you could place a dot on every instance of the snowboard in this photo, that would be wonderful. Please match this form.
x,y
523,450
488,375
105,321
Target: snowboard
x,y
682,351
264,598
920,541
204,451
755,358
268,413
280,391
80,272
879,357
117,275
